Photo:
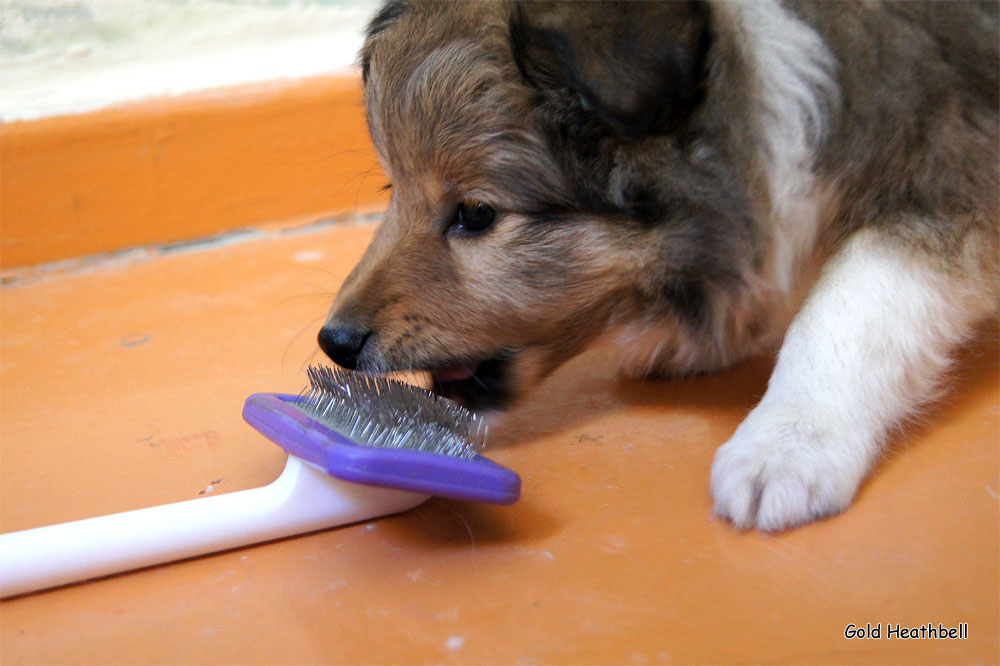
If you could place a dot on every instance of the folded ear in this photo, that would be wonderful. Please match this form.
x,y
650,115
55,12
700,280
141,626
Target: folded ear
x,y
638,65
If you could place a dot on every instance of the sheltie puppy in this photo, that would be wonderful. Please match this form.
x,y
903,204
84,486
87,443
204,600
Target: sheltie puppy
x,y
696,182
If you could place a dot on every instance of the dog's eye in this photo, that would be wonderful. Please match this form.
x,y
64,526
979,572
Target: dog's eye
x,y
473,217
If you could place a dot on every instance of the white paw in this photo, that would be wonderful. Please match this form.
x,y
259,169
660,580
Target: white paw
x,y
781,469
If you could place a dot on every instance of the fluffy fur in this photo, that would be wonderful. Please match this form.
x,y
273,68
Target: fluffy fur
x,y
697,182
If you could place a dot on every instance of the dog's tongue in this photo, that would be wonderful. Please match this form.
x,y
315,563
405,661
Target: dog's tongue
x,y
454,373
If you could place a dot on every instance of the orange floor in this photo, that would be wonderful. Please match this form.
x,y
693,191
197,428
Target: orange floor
x,y
122,378
122,383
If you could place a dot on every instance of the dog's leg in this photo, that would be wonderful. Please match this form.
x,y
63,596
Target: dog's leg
x,y
865,350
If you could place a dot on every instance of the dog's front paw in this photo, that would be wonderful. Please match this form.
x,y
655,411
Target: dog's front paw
x,y
780,470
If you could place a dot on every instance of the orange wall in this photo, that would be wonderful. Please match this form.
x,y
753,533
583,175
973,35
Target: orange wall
x,y
181,168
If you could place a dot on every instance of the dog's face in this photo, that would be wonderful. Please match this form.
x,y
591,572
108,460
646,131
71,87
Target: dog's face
x,y
539,195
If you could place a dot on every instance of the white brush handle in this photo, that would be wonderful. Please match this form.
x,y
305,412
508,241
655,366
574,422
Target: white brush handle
x,y
303,499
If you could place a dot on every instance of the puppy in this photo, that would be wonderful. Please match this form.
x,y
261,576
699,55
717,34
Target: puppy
x,y
696,182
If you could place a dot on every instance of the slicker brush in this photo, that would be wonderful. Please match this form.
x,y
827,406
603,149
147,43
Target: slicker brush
x,y
359,447
380,411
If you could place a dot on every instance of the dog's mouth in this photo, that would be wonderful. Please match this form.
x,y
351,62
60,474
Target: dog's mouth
x,y
479,386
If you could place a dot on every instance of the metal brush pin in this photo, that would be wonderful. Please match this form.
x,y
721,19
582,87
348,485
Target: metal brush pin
x,y
387,413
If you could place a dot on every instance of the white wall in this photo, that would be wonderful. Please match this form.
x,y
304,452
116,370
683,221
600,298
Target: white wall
x,y
60,57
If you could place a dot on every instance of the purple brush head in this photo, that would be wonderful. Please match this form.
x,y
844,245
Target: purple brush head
x,y
380,431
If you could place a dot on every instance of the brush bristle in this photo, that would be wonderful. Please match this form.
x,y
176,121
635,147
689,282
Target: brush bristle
x,y
385,412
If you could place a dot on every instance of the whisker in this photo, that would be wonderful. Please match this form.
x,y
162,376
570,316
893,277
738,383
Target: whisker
x,y
480,382
288,299
284,356
329,156
309,360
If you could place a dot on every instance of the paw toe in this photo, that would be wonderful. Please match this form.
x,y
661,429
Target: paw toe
x,y
784,503
771,483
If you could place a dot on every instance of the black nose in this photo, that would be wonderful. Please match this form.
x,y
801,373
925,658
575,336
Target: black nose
x,y
343,344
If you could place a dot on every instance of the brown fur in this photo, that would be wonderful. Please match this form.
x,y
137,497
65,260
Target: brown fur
x,y
671,175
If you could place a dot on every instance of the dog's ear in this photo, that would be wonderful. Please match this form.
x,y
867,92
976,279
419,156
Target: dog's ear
x,y
638,65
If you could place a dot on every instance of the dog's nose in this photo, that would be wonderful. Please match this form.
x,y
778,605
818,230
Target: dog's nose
x,y
343,344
